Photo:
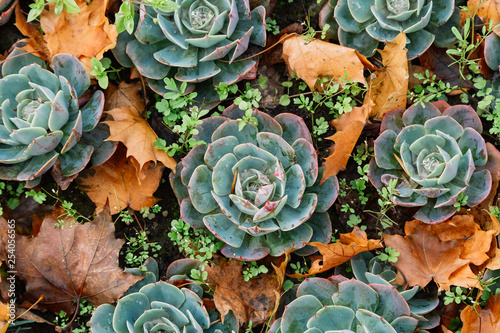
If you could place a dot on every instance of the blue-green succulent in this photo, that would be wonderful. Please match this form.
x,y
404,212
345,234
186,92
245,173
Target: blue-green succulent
x,y
434,156
257,189
200,41
155,308
42,122
339,305
364,24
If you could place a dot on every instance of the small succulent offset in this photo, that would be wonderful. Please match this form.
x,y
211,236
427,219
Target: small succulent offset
x,y
199,41
339,305
370,269
363,24
434,156
256,189
156,307
42,121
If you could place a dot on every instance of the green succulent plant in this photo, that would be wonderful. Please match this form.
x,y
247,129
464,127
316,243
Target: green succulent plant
x,y
336,305
368,269
364,24
434,156
491,54
256,189
198,42
155,308
42,122
6,9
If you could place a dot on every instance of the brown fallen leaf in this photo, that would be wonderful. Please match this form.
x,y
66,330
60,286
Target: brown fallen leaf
x,y
488,11
117,179
389,87
126,94
281,269
4,317
85,35
349,127
343,250
68,264
477,320
252,300
4,240
316,59
36,42
441,252
128,120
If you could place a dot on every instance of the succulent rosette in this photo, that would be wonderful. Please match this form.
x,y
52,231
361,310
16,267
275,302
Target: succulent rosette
x,y
339,305
42,121
434,157
188,43
155,308
256,189
364,24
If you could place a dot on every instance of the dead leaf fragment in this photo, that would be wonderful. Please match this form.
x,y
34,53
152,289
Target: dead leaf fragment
x,y
317,59
441,252
130,128
85,35
488,319
125,95
488,11
4,317
117,179
66,264
344,249
36,42
389,86
349,127
252,300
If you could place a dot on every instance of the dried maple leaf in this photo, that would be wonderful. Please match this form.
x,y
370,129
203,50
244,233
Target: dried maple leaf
x,y
477,320
85,35
281,269
130,128
441,252
126,94
68,264
388,87
349,127
337,253
117,179
316,59
252,300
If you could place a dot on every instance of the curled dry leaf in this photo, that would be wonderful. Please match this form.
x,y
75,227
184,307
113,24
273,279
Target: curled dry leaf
x,y
343,250
118,180
349,127
125,95
389,85
477,320
317,59
443,252
85,35
252,300
36,43
127,120
68,264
